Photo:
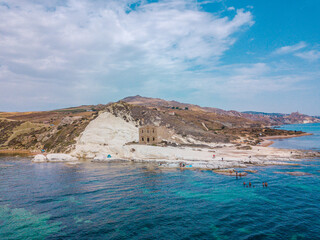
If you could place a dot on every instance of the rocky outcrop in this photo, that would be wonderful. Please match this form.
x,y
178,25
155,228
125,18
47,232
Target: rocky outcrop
x,y
55,157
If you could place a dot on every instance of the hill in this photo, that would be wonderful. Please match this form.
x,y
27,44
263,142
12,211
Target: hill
x,y
59,130
264,118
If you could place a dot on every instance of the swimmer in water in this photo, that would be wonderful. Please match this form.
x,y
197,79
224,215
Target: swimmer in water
x,y
249,184
266,184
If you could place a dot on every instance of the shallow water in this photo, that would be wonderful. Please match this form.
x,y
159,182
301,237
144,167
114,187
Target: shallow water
x,y
139,201
311,142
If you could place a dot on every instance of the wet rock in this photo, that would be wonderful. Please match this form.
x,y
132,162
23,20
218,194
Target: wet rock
x,y
252,171
230,172
40,158
60,157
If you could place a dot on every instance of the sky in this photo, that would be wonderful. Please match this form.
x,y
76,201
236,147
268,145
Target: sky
x,y
259,55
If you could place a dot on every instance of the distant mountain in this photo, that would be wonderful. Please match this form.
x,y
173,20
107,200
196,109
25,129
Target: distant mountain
x,y
264,118
283,118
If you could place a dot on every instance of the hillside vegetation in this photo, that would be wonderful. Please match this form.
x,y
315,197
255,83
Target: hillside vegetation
x,y
265,118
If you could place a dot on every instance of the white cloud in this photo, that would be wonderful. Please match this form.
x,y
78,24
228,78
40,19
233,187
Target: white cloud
x,y
245,80
79,48
312,55
291,48
231,9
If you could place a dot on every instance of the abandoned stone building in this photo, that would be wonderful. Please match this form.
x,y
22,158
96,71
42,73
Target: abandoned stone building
x,y
150,134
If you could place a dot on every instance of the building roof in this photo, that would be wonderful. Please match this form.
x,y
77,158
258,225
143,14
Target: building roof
x,y
149,125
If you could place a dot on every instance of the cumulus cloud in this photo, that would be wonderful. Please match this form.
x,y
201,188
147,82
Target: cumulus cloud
x,y
291,48
79,50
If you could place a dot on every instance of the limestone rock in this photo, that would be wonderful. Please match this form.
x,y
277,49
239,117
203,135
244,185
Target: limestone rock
x,y
40,158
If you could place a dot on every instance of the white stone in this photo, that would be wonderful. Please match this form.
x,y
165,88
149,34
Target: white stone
x,y
39,158
60,157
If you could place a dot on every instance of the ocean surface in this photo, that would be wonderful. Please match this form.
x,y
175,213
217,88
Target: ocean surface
x,y
141,201
311,142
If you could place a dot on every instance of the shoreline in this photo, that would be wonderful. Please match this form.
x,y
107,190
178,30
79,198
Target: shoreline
x,y
266,140
226,158
10,152
287,136
187,157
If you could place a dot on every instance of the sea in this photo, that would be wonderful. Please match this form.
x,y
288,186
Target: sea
x,y
311,142
141,201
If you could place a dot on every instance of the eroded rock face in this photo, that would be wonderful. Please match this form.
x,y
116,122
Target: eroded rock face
x,y
69,120
107,134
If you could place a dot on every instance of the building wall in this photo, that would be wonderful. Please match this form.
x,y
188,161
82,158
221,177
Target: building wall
x,y
151,134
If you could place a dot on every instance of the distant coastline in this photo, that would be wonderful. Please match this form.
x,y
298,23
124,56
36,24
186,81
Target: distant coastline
x,y
266,140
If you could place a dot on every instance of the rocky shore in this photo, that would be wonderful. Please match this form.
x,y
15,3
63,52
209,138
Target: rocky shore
x,y
107,138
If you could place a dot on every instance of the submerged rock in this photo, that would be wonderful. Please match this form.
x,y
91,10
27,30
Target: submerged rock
x,y
252,171
230,172
294,173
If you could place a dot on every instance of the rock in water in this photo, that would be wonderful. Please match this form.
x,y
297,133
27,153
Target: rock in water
x,y
60,157
40,158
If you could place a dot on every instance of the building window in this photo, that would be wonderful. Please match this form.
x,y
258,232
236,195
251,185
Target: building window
x,y
142,139
152,139
153,130
148,140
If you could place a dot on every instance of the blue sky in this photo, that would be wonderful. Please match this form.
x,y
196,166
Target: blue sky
x,y
232,54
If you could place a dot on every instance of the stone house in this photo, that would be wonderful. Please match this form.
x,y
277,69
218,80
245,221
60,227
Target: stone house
x,y
150,134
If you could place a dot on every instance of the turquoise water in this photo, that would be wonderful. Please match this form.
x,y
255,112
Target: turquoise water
x,y
307,142
136,201
139,201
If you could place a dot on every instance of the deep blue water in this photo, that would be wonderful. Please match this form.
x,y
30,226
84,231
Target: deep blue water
x,y
311,142
139,201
